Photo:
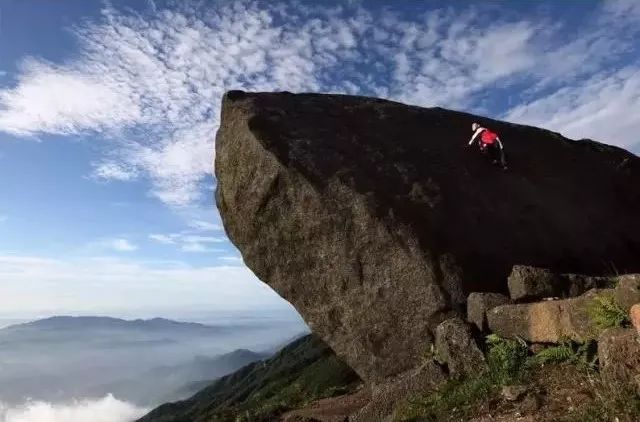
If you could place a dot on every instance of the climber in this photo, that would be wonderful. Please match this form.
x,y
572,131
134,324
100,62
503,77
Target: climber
x,y
490,144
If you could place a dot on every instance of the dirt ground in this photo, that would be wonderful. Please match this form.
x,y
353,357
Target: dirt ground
x,y
554,393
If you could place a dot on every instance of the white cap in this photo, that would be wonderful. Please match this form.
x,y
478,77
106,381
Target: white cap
x,y
475,127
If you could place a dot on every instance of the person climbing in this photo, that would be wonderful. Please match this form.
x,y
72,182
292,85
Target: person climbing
x,y
489,143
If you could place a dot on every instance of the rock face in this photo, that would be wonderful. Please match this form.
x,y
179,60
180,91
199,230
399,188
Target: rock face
x,y
619,357
634,316
478,304
547,322
458,350
530,283
373,219
627,291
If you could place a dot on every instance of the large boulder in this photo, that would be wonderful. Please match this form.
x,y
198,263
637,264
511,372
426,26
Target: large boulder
x,y
373,219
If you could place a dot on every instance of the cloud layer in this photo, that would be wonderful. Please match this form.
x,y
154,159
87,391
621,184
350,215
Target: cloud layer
x,y
107,284
151,82
107,409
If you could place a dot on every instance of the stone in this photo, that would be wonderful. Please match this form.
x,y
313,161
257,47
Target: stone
x,y
627,290
528,283
548,321
573,285
386,396
634,316
619,357
513,392
373,219
479,303
457,349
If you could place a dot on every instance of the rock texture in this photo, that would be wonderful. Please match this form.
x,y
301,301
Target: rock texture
x,y
528,283
619,357
627,292
634,316
456,348
479,303
546,322
373,219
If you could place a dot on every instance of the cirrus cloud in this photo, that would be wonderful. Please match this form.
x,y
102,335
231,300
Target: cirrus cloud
x,y
151,82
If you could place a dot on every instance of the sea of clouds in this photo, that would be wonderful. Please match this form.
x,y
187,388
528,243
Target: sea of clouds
x,y
106,409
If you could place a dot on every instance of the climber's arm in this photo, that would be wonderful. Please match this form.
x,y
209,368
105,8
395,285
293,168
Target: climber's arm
x,y
475,135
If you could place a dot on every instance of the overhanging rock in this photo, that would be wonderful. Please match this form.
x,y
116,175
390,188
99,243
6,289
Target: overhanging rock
x,y
373,219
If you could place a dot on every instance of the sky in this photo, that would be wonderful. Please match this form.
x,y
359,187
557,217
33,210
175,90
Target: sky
x,y
108,113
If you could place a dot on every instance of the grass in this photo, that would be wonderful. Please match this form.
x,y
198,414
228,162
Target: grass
x,y
611,403
457,398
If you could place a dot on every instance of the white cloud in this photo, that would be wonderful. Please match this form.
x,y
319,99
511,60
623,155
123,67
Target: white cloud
x,y
50,99
109,170
119,244
598,108
190,241
32,284
235,259
163,238
107,409
152,83
205,225
197,248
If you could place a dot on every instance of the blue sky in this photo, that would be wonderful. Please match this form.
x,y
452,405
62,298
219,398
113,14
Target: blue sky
x,y
108,112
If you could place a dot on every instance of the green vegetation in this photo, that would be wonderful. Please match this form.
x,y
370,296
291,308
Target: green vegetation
x,y
304,371
583,355
605,312
457,398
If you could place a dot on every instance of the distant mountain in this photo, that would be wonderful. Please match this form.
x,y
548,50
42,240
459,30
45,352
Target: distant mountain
x,y
101,322
305,370
168,383
143,361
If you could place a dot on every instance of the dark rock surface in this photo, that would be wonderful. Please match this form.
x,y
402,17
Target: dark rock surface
x,y
479,303
456,348
528,283
373,219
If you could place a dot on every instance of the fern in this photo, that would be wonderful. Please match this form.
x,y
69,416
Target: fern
x,y
605,312
555,354
506,358
583,355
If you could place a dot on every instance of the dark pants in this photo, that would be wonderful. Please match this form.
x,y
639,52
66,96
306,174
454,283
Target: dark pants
x,y
495,153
